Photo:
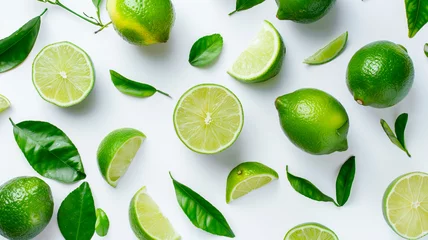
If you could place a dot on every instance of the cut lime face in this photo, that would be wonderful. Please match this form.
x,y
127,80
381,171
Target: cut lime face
x,y
247,177
405,205
4,103
310,231
208,118
63,74
147,221
263,59
329,52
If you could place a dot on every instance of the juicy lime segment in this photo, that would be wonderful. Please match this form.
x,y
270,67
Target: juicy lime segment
x,y
208,118
63,74
310,231
329,52
405,205
4,103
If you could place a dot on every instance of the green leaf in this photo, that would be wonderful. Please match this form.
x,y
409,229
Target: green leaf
x,y
206,50
417,15
401,124
245,4
102,224
426,49
344,181
132,88
200,212
16,48
308,189
97,4
49,151
76,215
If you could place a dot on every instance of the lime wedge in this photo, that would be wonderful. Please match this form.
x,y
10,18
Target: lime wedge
x,y
147,221
116,153
329,52
405,205
247,177
263,58
208,118
4,103
63,74
310,231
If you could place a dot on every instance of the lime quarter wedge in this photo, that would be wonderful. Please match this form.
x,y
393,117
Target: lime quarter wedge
x,y
63,74
405,205
262,60
147,221
116,153
247,177
4,103
310,231
329,52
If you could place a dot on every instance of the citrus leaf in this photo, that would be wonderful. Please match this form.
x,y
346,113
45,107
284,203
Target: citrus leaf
x,y
16,48
102,224
200,212
400,127
417,15
97,4
76,215
206,50
426,49
344,181
392,137
132,88
49,151
245,4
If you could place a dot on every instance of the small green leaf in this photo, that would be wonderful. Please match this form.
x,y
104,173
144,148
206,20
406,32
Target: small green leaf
x,y
97,4
308,189
132,88
102,224
417,15
344,181
245,4
16,48
426,49
400,126
76,215
206,50
200,212
49,151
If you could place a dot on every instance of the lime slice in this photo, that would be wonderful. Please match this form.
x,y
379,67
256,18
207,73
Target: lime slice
x,y
147,221
4,103
329,52
405,205
263,58
116,153
310,231
63,74
208,118
247,177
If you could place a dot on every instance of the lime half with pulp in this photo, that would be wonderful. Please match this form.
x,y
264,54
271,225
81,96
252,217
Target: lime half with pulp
x,y
329,52
310,231
4,103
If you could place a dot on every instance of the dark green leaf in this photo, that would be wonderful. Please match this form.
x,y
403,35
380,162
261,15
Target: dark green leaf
x,y
200,212
245,4
344,181
426,49
206,50
16,48
400,127
102,225
307,189
132,88
76,215
417,15
49,151
392,136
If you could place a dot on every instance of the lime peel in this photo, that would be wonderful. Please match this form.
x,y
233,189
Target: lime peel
x,y
310,231
329,52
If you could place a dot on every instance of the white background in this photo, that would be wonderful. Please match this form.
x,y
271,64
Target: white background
x,y
269,212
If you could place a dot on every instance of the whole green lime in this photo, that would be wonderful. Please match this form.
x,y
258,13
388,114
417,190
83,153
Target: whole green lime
x,y
303,11
142,22
380,74
26,207
314,121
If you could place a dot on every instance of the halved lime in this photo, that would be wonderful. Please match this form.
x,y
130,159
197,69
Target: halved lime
x,y
63,74
147,221
116,153
4,103
310,231
247,177
405,205
263,59
329,52
208,118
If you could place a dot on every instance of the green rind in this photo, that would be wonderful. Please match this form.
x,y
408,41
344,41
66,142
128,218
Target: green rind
x,y
316,225
315,59
303,11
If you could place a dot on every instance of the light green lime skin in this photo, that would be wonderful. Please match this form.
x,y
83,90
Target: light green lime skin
x,y
312,132
133,219
380,74
313,224
243,171
110,145
303,11
26,207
